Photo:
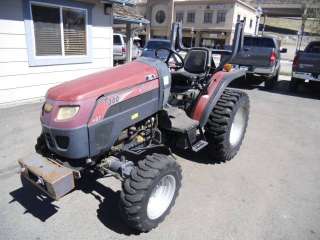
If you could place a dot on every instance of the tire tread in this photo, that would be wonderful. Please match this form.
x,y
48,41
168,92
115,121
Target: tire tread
x,y
218,124
135,189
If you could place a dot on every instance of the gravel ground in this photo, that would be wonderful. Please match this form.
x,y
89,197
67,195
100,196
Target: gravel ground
x,y
270,190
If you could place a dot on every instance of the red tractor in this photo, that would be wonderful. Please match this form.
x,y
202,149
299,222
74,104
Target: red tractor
x,y
122,122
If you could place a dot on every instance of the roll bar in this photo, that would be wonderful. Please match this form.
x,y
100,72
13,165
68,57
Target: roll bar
x,y
237,45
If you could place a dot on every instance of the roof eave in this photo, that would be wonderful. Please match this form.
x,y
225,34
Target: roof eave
x,y
122,2
121,19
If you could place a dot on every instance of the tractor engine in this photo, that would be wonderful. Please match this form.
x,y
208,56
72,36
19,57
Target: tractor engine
x,y
184,99
139,135
184,91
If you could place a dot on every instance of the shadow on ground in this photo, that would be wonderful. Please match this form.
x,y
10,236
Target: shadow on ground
x,y
42,207
306,90
202,157
35,203
108,212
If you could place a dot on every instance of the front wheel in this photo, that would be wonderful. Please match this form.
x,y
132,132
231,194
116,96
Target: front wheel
x,y
41,146
150,192
227,125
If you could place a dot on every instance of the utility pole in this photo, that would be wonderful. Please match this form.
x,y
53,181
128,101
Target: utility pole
x,y
302,28
258,17
129,34
264,23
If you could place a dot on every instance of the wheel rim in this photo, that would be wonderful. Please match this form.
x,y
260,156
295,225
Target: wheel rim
x,y
161,197
238,126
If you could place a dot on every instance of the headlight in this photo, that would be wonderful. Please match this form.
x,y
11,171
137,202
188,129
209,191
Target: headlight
x,y
66,113
47,107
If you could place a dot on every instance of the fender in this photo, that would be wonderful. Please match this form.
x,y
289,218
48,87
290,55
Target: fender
x,y
207,101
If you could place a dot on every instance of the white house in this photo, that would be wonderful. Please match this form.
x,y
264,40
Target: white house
x,y
46,42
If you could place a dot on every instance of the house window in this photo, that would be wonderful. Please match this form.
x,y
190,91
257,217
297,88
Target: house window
x,y
221,16
207,18
191,17
251,23
58,34
179,16
59,31
74,32
47,32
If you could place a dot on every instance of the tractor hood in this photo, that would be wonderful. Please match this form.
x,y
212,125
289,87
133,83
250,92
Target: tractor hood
x,y
98,84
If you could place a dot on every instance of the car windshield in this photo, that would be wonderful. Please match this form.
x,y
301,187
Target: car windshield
x,y
258,42
313,47
157,44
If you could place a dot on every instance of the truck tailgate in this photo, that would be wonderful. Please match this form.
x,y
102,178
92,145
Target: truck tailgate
x,y
117,50
308,62
254,56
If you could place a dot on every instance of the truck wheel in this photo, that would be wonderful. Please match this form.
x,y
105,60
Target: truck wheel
x,y
227,125
271,83
294,84
150,192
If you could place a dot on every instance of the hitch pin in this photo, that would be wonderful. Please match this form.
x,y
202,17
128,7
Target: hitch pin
x,y
40,181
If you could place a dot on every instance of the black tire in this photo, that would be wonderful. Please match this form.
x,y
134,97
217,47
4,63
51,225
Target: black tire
x,y
294,84
137,190
271,82
218,128
41,146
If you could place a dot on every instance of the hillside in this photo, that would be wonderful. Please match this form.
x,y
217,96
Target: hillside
x,y
256,2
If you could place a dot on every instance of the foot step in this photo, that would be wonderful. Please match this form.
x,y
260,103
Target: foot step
x,y
199,145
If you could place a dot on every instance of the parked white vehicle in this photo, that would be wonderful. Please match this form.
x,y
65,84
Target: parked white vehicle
x,y
120,47
137,50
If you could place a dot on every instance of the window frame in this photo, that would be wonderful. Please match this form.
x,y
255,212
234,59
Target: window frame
x,y
218,21
194,17
178,13
204,17
57,59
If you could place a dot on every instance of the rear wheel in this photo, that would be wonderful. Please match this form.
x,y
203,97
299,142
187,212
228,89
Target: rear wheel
x,y
294,84
150,192
271,83
227,125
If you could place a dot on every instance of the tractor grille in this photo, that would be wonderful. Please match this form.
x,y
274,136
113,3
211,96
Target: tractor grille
x,y
62,142
49,140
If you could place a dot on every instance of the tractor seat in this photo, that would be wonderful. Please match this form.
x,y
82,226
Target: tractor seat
x,y
197,63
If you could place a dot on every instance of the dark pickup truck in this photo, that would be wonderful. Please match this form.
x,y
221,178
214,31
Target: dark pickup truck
x,y
306,65
260,56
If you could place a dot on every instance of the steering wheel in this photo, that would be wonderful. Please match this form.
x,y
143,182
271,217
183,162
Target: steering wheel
x,y
176,65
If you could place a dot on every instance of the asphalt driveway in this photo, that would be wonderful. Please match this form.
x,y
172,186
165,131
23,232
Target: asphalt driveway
x,y
270,190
